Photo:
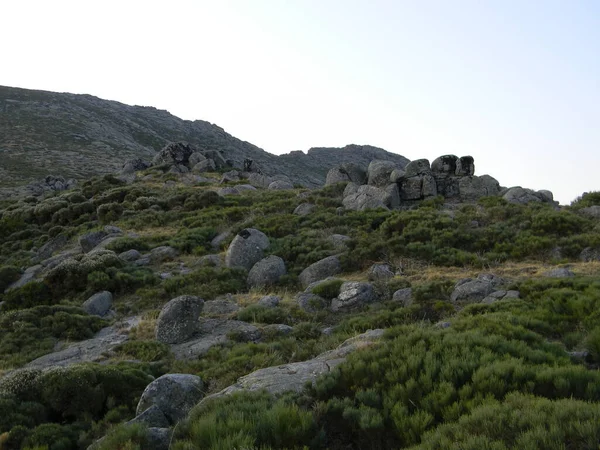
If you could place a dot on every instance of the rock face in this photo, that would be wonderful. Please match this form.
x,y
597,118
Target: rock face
x,y
353,294
246,249
174,394
98,304
293,377
324,268
591,211
152,417
266,272
178,320
473,291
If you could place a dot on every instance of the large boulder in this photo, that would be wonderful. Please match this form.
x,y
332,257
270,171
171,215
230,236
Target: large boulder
x,y
174,153
465,166
559,272
324,268
196,158
444,166
163,253
206,165
53,245
470,290
474,187
403,296
590,211
175,394
521,195
246,249
368,197
379,172
417,167
98,304
347,172
353,294
266,272
178,320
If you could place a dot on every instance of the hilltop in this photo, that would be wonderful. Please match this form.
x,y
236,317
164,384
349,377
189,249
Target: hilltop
x,y
77,136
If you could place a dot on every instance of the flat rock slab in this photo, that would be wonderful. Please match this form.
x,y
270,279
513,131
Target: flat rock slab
x,y
293,377
90,350
214,332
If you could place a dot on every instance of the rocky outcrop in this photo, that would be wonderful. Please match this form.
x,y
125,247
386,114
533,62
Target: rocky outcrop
x,y
522,195
470,290
266,272
173,394
353,294
178,319
324,268
134,165
246,249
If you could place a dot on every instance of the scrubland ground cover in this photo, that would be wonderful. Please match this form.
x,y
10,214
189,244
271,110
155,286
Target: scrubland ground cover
x,y
517,373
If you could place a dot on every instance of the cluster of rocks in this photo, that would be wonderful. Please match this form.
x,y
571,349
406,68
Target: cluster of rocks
x,y
386,185
246,251
49,184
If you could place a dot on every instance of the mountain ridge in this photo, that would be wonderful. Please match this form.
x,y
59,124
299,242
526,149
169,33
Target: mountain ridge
x,y
80,135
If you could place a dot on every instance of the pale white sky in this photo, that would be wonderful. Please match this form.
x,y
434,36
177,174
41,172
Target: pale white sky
x,y
515,84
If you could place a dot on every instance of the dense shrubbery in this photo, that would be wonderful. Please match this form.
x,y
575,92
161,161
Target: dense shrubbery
x,y
50,408
26,334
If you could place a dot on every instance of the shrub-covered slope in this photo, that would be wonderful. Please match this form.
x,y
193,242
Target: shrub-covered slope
x,y
451,371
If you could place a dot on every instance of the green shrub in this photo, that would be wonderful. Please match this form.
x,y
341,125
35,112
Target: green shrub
x,y
521,421
328,289
248,420
147,351
262,314
8,275
109,212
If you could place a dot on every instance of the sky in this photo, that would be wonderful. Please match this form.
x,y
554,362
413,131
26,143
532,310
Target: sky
x,y
515,84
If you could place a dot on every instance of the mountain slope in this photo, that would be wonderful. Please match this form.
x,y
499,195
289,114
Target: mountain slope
x,y
77,136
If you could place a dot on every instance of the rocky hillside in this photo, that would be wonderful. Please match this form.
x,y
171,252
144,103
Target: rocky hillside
x,y
77,136
184,306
